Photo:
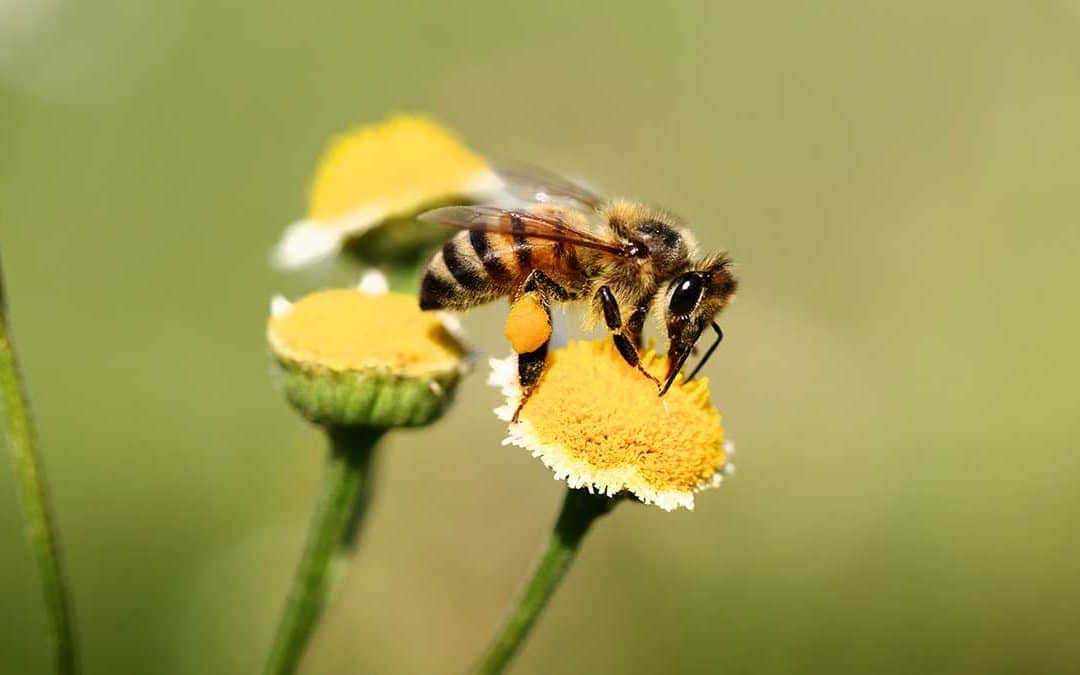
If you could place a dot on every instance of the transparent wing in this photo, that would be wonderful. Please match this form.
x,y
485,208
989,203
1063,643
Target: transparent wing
x,y
537,185
548,225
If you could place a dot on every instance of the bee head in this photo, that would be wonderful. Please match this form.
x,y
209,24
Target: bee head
x,y
693,300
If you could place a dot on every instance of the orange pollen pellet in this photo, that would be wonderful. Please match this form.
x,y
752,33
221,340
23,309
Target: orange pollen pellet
x,y
527,326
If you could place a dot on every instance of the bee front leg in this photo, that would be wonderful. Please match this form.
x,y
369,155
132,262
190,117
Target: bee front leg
x,y
635,325
528,327
623,342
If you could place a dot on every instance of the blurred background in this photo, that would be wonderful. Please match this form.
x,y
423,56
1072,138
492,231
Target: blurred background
x,y
898,181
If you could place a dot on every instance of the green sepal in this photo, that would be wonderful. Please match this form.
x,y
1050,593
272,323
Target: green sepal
x,y
378,399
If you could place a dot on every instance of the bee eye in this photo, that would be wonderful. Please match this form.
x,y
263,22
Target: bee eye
x,y
685,293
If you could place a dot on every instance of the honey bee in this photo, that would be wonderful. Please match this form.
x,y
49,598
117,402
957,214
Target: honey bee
x,y
570,245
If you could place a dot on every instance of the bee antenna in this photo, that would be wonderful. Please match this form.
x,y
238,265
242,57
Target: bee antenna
x,y
708,353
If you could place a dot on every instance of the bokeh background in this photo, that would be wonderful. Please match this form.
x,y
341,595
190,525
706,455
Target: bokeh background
x,y
899,181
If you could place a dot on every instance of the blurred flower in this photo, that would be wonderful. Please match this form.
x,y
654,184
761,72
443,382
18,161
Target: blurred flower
x,y
359,357
380,174
598,424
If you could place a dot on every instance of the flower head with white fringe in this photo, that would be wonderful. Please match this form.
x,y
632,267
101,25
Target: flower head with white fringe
x,y
598,424
376,173
366,356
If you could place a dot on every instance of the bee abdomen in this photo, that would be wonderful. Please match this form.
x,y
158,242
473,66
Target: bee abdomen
x,y
436,293
469,270
490,249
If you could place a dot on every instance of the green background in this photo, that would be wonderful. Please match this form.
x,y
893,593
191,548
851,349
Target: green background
x,y
900,183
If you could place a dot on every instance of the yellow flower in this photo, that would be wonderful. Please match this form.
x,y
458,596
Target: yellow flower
x,y
598,424
381,172
351,357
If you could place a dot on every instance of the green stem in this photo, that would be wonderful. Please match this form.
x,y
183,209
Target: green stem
x,y
579,510
333,524
40,524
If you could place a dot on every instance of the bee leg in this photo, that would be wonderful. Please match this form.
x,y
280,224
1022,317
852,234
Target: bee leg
x,y
542,290
545,286
635,325
530,368
613,319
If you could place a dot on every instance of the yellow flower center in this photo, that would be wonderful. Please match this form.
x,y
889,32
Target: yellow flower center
x,y
396,166
350,330
599,422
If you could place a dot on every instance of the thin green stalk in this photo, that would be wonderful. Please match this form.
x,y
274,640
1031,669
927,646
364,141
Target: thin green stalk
x,y
333,524
579,510
40,523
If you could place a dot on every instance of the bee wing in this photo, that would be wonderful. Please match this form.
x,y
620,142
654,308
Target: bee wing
x,y
537,185
548,225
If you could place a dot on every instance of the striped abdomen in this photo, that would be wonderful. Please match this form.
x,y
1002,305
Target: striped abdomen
x,y
477,267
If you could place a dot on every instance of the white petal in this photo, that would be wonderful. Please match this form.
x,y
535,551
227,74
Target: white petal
x,y
280,306
484,185
304,243
452,324
374,282
504,375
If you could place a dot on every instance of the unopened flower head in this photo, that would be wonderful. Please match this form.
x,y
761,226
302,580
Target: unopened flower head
x,y
353,357
599,424
383,174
